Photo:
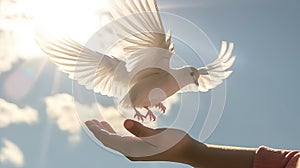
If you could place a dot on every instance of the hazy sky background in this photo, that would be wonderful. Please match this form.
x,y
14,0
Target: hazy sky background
x,y
262,100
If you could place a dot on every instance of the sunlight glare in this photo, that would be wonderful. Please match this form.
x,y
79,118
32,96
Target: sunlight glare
x,y
76,19
18,84
16,31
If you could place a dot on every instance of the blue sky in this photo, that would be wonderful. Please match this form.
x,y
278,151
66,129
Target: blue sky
x,y
262,95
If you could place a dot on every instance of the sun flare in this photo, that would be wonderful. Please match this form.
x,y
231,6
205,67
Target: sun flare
x,y
22,19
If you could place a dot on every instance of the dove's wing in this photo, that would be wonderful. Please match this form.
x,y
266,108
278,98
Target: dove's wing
x,y
98,72
142,37
214,73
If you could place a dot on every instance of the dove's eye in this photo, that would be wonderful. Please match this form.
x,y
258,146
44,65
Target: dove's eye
x,y
192,73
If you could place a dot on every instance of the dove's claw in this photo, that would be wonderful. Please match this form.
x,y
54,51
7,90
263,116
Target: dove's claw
x,y
152,117
139,116
161,107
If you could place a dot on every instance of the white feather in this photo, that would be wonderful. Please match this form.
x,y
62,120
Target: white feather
x,y
142,63
98,72
214,73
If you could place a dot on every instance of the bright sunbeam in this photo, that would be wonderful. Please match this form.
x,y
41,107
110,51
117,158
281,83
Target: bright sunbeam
x,y
16,33
21,19
22,80
76,19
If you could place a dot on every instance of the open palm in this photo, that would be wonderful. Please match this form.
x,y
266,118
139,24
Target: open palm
x,y
147,144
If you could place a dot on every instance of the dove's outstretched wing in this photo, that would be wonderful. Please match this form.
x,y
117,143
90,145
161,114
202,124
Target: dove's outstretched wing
x,y
214,73
101,73
143,41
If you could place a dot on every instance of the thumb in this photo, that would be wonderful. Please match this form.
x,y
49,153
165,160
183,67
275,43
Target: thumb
x,y
138,129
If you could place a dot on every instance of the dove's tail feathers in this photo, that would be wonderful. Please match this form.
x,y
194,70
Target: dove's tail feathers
x,y
94,70
214,73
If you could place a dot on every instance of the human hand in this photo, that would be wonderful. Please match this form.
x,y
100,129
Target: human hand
x,y
169,145
147,144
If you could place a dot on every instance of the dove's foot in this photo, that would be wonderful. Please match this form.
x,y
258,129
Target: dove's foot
x,y
161,107
139,116
152,117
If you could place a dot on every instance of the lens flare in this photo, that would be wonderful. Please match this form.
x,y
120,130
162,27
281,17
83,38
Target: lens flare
x,y
22,80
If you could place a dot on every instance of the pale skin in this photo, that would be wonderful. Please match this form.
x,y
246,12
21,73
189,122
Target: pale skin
x,y
172,145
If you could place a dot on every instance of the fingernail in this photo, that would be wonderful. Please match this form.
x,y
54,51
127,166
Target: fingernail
x,y
129,124
89,123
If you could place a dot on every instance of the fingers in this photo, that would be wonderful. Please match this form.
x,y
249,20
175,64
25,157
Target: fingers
x,y
107,127
128,146
138,129
142,146
132,126
94,123
102,125
96,129
108,139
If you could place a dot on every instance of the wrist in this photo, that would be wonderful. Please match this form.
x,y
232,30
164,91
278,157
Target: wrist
x,y
194,153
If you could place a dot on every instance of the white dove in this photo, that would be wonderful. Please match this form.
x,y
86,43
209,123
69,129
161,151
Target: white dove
x,y
139,76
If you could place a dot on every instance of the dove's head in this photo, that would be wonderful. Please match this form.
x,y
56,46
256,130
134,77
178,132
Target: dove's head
x,y
192,74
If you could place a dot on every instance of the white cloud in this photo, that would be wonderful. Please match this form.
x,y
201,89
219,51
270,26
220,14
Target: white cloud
x,y
20,20
10,154
16,35
61,108
7,55
12,114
